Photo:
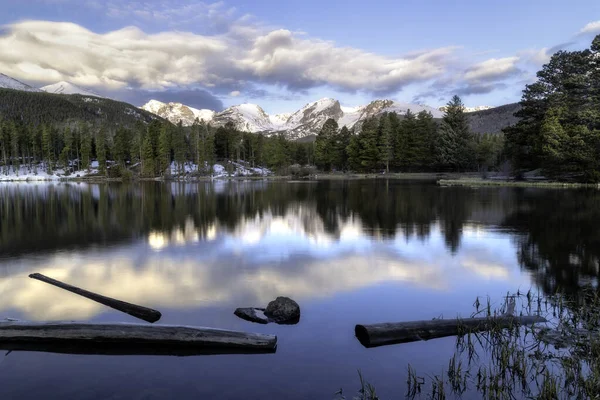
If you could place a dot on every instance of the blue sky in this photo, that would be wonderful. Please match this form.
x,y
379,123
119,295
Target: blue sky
x,y
284,54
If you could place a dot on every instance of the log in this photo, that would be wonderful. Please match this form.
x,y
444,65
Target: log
x,y
405,332
130,339
144,313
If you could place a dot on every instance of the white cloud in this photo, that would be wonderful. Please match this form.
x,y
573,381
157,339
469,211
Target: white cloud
x,y
492,69
234,93
47,51
592,27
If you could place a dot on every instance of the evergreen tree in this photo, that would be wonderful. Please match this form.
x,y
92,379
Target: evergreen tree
x,y
559,125
369,149
456,120
424,140
86,147
342,142
386,141
164,149
325,146
47,148
101,150
148,159
353,151
179,147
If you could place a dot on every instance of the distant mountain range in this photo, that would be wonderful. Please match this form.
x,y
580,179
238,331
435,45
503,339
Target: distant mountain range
x,y
308,120
301,124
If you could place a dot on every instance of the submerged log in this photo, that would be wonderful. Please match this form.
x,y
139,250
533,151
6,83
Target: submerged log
x,y
130,339
405,332
144,313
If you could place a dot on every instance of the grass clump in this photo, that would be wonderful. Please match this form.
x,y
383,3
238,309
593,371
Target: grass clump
x,y
556,360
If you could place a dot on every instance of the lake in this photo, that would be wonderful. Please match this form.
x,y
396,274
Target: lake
x,y
349,252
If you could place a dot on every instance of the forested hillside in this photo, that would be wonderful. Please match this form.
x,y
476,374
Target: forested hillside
x,y
493,120
49,108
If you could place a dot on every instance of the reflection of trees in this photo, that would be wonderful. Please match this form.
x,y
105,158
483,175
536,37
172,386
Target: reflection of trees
x,y
59,216
560,237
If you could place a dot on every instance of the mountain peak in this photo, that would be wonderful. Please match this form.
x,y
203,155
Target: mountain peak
x,y
64,87
176,112
6,82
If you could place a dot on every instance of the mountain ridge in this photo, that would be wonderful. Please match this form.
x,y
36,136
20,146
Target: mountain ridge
x,y
6,82
304,122
64,87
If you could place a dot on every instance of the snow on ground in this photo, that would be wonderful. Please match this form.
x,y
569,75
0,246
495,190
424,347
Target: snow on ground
x,y
239,168
39,173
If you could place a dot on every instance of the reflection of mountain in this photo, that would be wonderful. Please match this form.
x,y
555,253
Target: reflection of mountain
x,y
557,234
50,217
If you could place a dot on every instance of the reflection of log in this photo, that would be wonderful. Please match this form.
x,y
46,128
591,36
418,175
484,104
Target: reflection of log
x,y
404,332
130,339
147,314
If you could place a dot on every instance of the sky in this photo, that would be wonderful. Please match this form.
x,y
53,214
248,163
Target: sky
x,y
285,54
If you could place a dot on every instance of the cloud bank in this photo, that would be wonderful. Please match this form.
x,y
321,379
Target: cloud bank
x,y
230,56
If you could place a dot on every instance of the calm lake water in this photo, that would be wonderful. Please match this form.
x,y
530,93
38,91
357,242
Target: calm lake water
x,y
348,251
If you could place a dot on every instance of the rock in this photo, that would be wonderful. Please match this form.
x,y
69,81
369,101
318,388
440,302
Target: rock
x,y
283,310
252,314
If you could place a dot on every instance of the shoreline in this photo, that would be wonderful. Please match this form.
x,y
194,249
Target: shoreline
x,y
475,183
425,176
446,179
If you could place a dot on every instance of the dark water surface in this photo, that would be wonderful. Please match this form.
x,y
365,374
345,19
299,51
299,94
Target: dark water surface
x,y
348,251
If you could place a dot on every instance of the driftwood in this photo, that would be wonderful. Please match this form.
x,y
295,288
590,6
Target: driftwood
x,y
144,313
405,332
130,339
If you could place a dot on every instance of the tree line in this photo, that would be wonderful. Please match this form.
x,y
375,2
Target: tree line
x,y
150,149
408,143
559,126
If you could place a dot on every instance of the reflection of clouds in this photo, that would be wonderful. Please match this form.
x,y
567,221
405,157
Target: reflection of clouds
x,y
251,272
490,270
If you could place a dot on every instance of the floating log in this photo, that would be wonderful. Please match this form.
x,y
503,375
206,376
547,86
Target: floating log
x,y
130,339
405,332
144,313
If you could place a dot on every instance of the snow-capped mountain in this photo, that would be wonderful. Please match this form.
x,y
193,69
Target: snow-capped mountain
x,y
176,112
245,117
304,122
356,115
6,82
64,87
469,109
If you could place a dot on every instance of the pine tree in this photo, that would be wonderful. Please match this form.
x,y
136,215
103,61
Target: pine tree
x,y
342,143
164,149
447,147
47,148
369,149
148,160
456,119
179,147
386,141
101,150
353,151
325,147
86,146
425,130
